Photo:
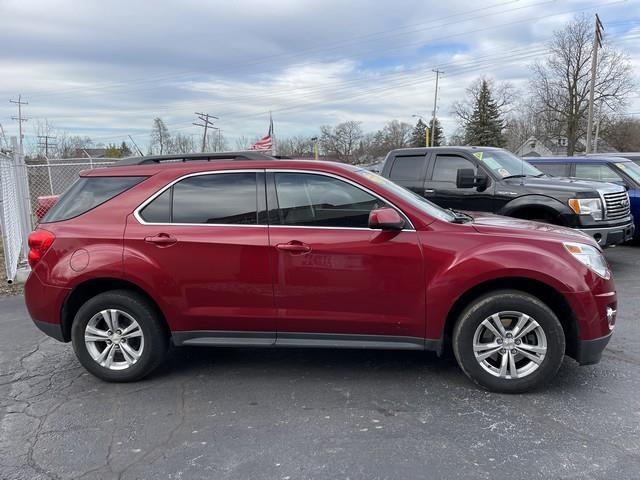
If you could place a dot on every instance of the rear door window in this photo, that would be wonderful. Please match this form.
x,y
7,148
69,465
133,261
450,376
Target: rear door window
x,y
214,199
86,194
553,169
602,173
409,167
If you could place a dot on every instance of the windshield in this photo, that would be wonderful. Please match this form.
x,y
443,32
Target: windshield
x,y
414,199
631,169
505,164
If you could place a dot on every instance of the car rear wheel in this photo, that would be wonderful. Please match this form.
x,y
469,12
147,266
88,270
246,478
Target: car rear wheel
x,y
118,336
509,341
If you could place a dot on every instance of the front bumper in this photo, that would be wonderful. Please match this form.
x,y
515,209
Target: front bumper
x,y
608,236
589,352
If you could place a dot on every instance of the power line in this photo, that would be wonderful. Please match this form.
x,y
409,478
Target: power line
x,y
206,124
43,141
20,118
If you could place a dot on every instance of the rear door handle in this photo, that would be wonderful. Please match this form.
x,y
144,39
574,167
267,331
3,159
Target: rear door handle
x,y
429,190
294,246
161,240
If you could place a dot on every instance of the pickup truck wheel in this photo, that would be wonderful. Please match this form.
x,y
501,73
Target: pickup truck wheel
x,y
118,337
509,341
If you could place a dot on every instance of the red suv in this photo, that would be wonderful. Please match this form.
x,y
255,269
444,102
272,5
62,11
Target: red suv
x,y
248,250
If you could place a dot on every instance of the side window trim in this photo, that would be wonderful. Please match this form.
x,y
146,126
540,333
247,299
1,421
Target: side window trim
x,y
272,200
259,179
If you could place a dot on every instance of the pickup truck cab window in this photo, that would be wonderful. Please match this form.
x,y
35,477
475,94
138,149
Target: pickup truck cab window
x,y
408,167
446,168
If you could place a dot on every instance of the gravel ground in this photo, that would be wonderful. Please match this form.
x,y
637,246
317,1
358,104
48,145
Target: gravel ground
x,y
6,289
298,414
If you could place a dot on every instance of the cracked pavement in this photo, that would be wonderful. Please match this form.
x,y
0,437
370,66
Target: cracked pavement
x,y
288,414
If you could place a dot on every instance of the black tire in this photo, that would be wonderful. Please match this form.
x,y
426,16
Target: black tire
x,y
508,301
156,338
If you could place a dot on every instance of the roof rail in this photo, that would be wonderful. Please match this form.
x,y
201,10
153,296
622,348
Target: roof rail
x,y
191,157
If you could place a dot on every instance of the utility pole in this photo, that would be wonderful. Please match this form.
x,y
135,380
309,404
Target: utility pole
x,y
597,42
19,118
595,140
43,141
206,123
435,105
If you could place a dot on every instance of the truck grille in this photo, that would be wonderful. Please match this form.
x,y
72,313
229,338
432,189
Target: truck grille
x,y
617,204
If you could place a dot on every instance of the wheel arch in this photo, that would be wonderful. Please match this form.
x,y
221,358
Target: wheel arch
x,y
90,288
526,205
544,292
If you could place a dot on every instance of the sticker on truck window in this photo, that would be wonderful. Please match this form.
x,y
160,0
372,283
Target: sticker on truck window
x,y
478,155
491,163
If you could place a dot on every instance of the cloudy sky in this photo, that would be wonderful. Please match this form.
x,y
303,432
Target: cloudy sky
x,y
107,68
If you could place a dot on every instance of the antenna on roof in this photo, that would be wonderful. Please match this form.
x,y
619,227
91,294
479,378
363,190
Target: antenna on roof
x,y
136,145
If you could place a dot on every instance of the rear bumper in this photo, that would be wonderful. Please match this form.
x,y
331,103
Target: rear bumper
x,y
53,330
44,303
589,352
608,236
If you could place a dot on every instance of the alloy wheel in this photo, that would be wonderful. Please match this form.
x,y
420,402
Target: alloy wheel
x,y
114,339
509,345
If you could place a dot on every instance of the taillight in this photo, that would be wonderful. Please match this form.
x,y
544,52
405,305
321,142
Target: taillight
x,y
39,242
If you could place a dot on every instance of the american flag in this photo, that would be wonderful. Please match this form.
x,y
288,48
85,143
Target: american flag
x,y
266,142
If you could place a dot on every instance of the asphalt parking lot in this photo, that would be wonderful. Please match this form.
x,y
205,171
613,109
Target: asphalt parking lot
x,y
288,414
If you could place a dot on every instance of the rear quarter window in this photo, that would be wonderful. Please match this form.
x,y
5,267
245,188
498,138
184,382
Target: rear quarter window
x,y
86,194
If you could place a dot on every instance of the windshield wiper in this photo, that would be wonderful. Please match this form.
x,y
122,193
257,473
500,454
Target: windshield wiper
x,y
520,175
460,217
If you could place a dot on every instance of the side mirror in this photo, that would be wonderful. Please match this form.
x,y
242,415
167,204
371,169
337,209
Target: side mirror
x,y
385,219
466,178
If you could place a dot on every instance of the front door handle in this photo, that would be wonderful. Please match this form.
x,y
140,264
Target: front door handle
x,y
161,240
429,190
294,246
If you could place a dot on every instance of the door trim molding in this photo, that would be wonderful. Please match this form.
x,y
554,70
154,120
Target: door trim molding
x,y
303,340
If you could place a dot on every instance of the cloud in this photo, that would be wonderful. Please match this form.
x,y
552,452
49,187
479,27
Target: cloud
x,y
105,69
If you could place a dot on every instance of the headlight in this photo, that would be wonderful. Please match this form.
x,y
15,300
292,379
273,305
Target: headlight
x,y
587,206
590,257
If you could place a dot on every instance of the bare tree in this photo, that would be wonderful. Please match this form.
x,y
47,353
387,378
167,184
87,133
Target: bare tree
x,y
341,141
296,146
160,137
181,143
623,134
69,145
560,84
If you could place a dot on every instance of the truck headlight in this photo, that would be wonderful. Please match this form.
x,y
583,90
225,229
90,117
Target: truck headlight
x,y
587,206
590,257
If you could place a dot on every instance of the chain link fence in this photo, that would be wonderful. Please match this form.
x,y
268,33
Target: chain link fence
x,y
48,178
26,190
10,222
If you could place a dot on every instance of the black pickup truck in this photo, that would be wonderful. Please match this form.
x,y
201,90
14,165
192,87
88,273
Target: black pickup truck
x,y
494,180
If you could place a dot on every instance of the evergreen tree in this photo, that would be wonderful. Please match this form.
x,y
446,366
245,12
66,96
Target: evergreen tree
x,y
125,151
485,125
418,135
438,135
112,151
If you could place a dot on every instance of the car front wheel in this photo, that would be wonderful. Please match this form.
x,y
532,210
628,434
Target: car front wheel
x,y
509,341
118,336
